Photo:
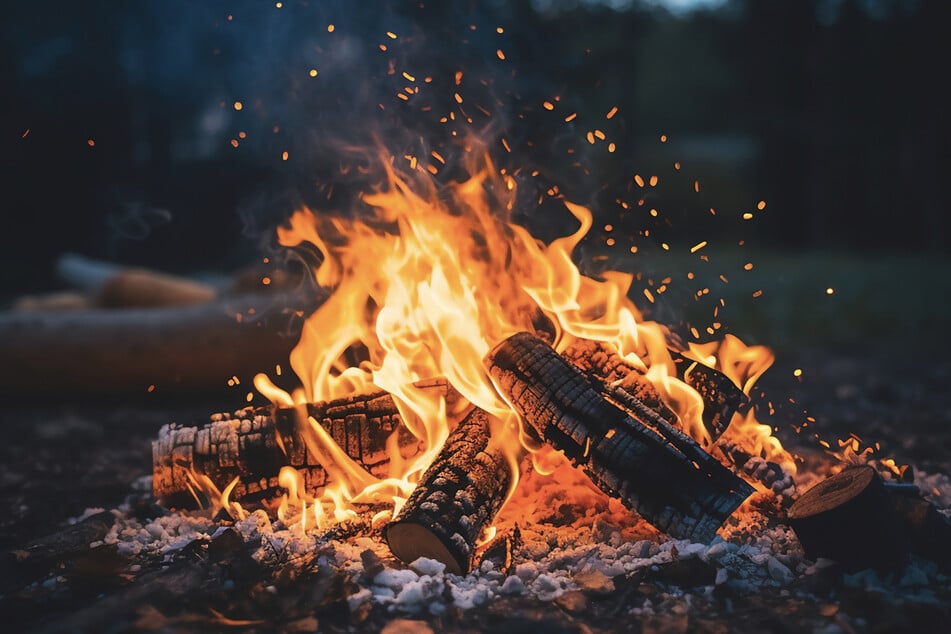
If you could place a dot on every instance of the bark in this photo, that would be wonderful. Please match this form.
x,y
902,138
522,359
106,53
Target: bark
x,y
626,449
458,496
253,444
848,517
721,397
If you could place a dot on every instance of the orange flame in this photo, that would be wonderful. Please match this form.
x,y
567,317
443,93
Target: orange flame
x,y
425,284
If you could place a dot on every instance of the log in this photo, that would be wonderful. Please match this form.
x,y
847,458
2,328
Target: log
x,y
253,444
928,531
721,398
602,363
627,450
117,286
458,496
175,349
848,517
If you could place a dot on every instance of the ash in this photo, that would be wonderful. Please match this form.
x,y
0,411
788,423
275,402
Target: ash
x,y
559,540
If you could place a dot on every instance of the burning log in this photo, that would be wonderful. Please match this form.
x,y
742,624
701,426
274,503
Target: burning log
x,y
721,397
627,449
458,496
254,444
601,362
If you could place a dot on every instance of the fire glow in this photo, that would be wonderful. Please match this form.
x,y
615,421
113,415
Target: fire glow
x,y
425,281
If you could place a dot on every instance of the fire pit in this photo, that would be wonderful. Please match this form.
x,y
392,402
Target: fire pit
x,y
472,426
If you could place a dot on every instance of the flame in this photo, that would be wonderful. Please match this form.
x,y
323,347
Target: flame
x,y
425,281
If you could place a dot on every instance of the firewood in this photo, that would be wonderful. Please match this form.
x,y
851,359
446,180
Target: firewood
x,y
627,450
253,444
848,517
458,495
721,397
601,362
189,348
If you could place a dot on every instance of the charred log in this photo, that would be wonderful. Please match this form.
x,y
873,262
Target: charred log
x,y
721,397
848,517
601,362
627,450
253,444
458,496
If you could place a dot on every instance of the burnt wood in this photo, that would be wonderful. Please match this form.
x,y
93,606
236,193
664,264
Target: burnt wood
x,y
457,497
253,444
626,449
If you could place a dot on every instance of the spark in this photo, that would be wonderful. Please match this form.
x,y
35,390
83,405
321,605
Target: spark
x,y
571,117
758,293
25,134
830,291
500,54
611,113
638,180
747,216
696,186
408,76
91,142
330,28
761,205
797,372
748,266
663,138
238,105
391,35
312,72
284,155
698,246
548,105
611,147
653,181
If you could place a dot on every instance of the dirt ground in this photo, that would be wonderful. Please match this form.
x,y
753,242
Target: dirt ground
x,y
61,458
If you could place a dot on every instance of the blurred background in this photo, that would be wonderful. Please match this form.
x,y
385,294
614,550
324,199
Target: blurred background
x,y
155,134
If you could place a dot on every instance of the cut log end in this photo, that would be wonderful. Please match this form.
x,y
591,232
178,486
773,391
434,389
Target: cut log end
x,y
409,541
849,518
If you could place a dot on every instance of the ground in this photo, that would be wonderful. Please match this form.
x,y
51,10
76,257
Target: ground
x,y
62,458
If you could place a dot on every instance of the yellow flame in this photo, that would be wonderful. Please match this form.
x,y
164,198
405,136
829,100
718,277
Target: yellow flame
x,y
424,285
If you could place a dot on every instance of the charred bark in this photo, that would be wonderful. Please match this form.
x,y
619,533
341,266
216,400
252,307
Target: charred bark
x,y
253,444
721,397
626,449
458,496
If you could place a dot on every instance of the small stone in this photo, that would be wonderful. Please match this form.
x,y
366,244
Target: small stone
x,y
778,571
512,585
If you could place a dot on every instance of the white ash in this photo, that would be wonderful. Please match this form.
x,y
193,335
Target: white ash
x,y
579,542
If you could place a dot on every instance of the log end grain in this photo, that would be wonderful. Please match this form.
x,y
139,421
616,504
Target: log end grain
x,y
409,541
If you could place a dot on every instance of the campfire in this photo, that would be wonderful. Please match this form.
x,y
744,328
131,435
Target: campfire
x,y
472,420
